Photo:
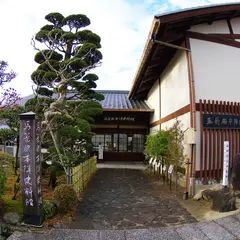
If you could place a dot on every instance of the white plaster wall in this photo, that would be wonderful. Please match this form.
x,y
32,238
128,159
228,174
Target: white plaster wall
x,y
185,121
215,27
174,85
235,22
153,130
153,101
216,71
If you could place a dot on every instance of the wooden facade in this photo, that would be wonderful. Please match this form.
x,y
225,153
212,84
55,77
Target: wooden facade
x,y
118,131
192,55
224,126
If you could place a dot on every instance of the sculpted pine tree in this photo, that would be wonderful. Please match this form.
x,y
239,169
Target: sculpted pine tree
x,y
64,79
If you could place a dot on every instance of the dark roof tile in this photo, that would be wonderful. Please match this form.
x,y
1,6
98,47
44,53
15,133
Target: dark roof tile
x,y
114,100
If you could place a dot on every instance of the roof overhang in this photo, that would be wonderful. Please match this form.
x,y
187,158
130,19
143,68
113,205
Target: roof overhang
x,y
171,28
128,110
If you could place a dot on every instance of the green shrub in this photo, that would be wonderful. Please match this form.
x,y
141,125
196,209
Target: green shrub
x,y
50,209
6,157
2,207
157,145
65,197
7,160
13,205
3,180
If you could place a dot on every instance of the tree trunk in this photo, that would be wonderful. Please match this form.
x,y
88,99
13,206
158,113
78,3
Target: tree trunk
x,y
16,156
68,175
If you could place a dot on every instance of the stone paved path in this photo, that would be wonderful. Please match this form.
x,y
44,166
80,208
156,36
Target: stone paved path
x,y
125,199
221,229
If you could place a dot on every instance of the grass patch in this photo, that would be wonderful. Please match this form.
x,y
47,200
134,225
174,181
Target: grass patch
x,y
13,205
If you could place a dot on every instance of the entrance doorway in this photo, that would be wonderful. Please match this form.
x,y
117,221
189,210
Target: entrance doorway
x,y
120,146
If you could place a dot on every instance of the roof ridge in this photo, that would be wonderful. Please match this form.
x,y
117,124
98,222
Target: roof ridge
x,y
196,8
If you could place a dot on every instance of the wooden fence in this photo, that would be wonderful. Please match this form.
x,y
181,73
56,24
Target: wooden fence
x,y
81,174
212,140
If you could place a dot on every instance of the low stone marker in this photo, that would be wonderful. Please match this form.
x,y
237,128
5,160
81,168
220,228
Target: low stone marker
x,y
223,201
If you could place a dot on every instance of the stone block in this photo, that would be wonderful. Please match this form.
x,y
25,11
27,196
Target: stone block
x,y
231,224
223,201
112,235
139,234
190,231
214,231
164,234
76,234
12,218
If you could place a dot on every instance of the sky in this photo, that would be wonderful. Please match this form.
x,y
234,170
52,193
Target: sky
x,y
123,26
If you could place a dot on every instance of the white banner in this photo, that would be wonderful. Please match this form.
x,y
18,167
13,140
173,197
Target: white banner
x,y
225,163
170,169
100,151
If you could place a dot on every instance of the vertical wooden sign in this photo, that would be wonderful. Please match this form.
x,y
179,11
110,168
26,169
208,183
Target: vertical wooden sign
x,y
30,169
225,164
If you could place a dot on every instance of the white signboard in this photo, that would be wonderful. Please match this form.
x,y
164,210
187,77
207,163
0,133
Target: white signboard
x,y
154,162
100,151
170,169
225,163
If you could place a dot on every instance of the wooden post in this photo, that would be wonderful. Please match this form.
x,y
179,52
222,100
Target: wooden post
x,y
185,195
30,169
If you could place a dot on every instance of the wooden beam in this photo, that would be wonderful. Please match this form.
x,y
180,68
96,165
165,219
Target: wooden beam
x,y
170,45
149,79
171,37
225,35
149,76
232,14
212,19
198,12
214,39
144,88
230,26
127,110
191,22
171,116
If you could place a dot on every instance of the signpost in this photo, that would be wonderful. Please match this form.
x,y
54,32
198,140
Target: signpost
x,y
170,170
221,121
100,152
225,164
30,169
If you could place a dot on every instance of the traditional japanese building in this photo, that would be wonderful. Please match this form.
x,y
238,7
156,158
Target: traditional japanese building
x,y
190,70
122,127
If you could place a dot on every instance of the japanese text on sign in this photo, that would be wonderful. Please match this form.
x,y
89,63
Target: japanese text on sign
x,y
119,119
221,121
26,164
38,164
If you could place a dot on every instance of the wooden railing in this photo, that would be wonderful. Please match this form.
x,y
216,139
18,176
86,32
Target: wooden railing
x,y
81,174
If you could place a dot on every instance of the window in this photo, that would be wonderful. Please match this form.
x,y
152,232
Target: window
x,y
108,143
138,142
114,142
96,140
122,142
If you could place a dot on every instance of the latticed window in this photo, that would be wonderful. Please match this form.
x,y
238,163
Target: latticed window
x,y
121,142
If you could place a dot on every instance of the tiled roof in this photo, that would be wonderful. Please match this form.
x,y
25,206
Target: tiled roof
x,y
118,100
114,100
